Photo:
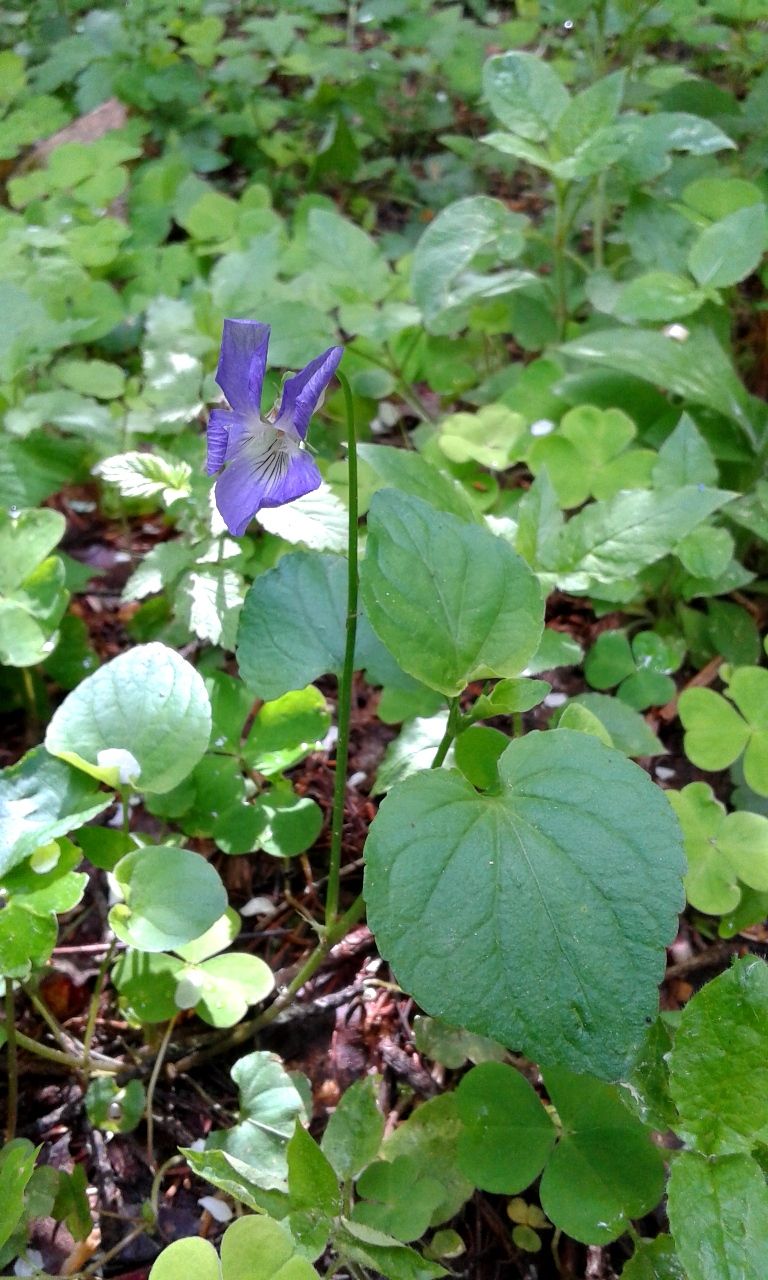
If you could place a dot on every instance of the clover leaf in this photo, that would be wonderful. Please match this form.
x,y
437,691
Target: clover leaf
x,y
719,728
724,850
590,454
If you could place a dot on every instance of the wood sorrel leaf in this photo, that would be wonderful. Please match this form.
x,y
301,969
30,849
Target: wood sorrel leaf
x,y
605,1170
451,601
146,711
718,1211
172,896
506,1134
577,856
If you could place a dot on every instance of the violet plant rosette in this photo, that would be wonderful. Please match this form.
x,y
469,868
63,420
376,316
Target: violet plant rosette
x,y
264,458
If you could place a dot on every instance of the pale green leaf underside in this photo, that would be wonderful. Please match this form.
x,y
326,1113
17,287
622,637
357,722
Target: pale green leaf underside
x,y
149,702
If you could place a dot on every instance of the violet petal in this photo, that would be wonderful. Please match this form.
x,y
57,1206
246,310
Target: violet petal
x,y
249,483
242,362
220,425
302,392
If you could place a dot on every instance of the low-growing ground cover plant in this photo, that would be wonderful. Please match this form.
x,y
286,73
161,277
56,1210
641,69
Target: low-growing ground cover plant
x,y
354,800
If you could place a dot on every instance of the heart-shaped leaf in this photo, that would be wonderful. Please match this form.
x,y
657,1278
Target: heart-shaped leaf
x,y
450,600
578,850
144,717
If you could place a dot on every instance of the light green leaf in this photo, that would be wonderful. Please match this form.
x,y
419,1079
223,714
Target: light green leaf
x,y
715,733
705,552
91,378
209,602
253,1248
721,849
226,986
590,110
17,1164
382,1254
146,982
510,144
413,749
146,475
731,248
697,369
171,897
113,1108
315,1195
539,863
579,718
654,1260
685,458
718,1212
525,94
292,625
286,730
613,539
452,1046
409,472
431,1134
476,753
354,1131
26,538
657,296
149,703
628,730
288,823
386,1208
347,255
718,1066
42,798
609,660
269,1107
184,1258
451,601
451,260
492,436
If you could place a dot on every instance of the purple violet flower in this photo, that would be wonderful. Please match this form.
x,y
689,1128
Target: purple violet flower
x,y
264,459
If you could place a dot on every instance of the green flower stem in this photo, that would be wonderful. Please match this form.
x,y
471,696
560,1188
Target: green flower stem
x,y
32,731
345,686
13,1061
451,729
598,223
152,1085
93,1008
68,1043
104,1065
334,933
559,248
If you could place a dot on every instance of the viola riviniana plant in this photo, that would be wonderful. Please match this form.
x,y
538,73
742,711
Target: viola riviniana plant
x,y
264,457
